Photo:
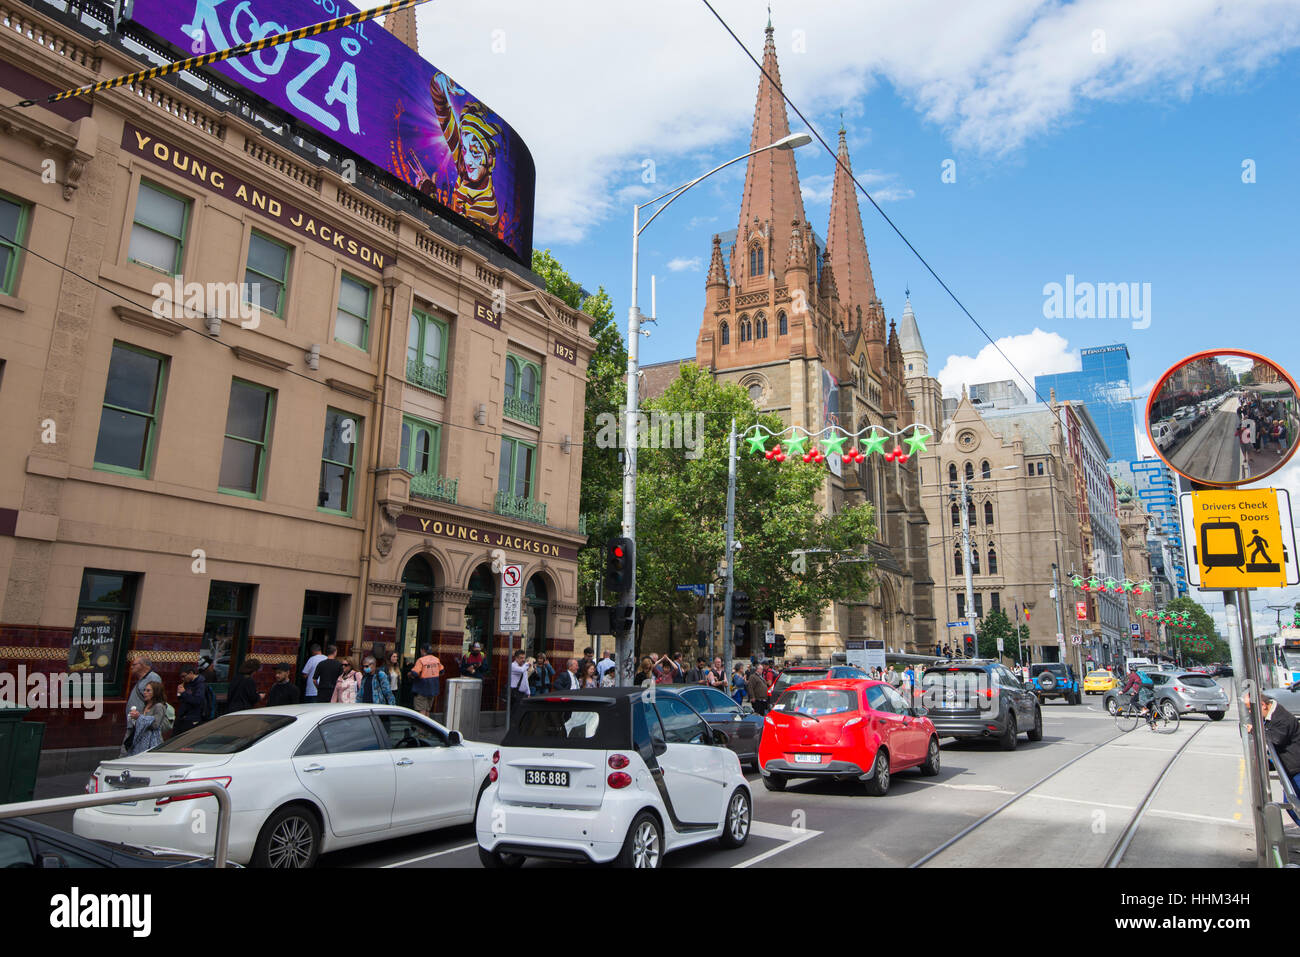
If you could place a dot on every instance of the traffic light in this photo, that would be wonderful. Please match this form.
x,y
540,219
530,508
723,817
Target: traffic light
x,y
740,606
620,564
969,645
738,635
622,617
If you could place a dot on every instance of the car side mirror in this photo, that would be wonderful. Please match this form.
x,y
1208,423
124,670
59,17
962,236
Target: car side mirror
x,y
658,747
920,712
454,738
48,861
746,708
719,738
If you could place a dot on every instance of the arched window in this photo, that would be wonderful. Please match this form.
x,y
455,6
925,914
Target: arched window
x,y
782,326
970,472
760,326
746,329
988,513
756,260
512,372
952,474
993,560
956,563
956,516
726,334
528,385
974,561
985,471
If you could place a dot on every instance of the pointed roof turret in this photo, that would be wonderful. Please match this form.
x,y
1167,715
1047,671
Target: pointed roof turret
x,y
909,336
846,245
797,258
717,269
772,193
402,25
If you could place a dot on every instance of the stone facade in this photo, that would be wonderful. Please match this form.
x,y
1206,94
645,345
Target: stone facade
x,y
393,550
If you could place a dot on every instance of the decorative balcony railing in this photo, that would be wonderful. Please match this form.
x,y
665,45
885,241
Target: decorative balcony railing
x,y
515,506
426,377
522,411
437,487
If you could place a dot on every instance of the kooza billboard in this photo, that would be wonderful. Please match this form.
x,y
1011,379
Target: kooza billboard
x,y
369,92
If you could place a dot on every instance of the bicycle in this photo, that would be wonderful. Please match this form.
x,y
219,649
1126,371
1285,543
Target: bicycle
x,y
1162,719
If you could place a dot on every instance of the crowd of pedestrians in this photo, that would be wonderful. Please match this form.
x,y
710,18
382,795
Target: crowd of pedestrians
x,y
1267,422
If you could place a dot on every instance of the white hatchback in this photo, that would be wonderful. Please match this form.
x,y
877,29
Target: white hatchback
x,y
610,774
303,779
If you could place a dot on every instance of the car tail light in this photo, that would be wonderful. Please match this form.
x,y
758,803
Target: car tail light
x,y
223,781
990,693
618,761
496,756
492,774
619,779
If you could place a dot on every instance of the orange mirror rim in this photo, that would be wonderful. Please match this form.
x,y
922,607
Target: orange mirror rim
x,y
1295,440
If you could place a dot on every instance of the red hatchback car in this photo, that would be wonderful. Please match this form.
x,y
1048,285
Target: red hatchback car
x,y
845,728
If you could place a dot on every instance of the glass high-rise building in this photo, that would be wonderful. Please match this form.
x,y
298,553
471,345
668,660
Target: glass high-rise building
x,y
1103,386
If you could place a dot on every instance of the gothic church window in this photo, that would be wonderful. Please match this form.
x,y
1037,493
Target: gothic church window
x,y
782,326
756,260
726,334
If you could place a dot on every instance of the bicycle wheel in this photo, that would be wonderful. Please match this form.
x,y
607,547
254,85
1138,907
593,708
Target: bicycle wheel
x,y
1165,720
1126,719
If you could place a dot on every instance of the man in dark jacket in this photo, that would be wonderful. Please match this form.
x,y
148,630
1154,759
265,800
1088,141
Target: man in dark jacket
x,y
283,691
757,689
327,674
191,697
1283,732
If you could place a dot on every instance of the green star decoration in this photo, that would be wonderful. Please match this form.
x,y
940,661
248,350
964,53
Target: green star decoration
x,y
757,443
1094,582
835,444
1077,581
875,442
1145,586
916,441
794,445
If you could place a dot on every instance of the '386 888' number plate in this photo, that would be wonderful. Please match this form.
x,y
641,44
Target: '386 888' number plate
x,y
559,779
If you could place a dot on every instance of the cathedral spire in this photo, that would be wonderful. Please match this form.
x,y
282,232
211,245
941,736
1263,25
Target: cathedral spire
x,y
717,269
846,246
402,25
772,197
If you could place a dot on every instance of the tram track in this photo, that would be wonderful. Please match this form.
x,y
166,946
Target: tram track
x,y
1119,848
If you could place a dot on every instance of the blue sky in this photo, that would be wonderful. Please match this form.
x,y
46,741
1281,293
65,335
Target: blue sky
x,y
1097,138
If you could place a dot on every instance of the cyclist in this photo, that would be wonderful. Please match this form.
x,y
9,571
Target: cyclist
x,y
1139,682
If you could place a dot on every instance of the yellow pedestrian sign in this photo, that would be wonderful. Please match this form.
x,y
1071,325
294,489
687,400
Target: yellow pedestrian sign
x,y
1237,538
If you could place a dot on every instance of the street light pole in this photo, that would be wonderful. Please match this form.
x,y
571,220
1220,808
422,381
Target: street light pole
x,y
728,643
965,541
626,644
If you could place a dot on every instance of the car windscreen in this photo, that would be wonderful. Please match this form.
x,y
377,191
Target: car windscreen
x,y
1098,674
1056,669
567,724
228,734
1198,681
789,678
817,701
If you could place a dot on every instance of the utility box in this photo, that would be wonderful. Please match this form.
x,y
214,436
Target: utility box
x,y
464,696
20,755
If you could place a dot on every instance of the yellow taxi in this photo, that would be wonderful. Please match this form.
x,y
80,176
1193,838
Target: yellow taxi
x,y
1099,682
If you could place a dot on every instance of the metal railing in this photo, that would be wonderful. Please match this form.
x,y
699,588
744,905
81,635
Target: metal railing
x,y
122,796
522,411
436,487
516,506
426,377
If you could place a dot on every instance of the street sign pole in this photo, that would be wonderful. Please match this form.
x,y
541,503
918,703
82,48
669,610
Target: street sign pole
x,y
510,620
728,644
965,538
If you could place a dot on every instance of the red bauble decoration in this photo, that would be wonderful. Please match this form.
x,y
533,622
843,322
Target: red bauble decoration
x,y
779,457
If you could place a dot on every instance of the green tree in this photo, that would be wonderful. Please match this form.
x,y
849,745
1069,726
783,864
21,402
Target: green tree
x,y
602,474
682,513
1202,624
991,627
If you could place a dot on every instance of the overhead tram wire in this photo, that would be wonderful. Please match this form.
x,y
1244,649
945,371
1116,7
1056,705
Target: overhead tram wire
x,y
885,216
207,338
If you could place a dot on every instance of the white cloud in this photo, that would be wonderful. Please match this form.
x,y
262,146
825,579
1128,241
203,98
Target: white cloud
x,y
1034,353
682,264
596,88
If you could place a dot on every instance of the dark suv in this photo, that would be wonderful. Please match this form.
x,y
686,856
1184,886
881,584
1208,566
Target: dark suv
x,y
1055,679
976,698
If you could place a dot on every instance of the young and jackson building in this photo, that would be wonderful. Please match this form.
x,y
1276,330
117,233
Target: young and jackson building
x,y
261,392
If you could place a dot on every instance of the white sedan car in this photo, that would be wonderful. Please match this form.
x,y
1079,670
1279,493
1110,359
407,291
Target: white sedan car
x,y
303,779
610,774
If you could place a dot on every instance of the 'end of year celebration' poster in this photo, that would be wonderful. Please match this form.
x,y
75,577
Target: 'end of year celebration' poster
x,y
370,93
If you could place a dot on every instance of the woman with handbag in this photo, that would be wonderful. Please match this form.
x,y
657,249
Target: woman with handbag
x,y
145,728
345,689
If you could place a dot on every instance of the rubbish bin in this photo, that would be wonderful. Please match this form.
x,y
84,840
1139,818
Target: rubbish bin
x,y
20,754
463,697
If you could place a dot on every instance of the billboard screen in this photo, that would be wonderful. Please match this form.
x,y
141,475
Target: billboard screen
x,y
372,94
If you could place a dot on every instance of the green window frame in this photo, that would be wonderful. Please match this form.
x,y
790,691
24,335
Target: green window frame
x,y
153,226
351,312
128,422
338,472
426,352
515,473
102,630
420,442
13,232
225,629
523,404
261,270
247,442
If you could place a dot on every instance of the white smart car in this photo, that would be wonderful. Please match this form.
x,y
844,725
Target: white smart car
x,y
610,774
302,779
